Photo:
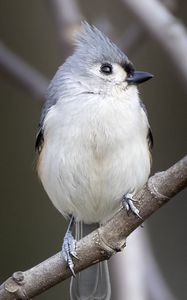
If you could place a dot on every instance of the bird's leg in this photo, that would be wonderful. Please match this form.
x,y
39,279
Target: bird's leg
x,y
127,202
68,247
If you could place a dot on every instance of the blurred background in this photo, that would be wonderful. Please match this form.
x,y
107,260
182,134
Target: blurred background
x,y
31,228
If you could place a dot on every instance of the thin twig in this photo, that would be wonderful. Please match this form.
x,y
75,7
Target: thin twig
x,y
67,18
132,38
135,35
169,31
137,267
129,270
24,75
158,287
102,243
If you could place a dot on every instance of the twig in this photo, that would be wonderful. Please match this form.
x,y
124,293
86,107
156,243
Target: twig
x,y
170,4
102,243
67,18
158,288
137,267
24,75
129,270
132,39
169,32
135,34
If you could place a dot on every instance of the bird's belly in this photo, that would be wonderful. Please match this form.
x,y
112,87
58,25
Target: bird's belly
x,y
90,184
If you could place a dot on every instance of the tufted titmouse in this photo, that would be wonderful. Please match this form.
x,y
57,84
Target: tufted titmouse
x,y
93,145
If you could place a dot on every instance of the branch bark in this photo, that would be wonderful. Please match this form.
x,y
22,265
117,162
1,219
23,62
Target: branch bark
x,y
102,243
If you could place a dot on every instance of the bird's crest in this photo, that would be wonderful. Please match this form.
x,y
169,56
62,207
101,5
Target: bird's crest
x,y
91,42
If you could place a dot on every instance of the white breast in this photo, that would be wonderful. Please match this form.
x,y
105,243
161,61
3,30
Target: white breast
x,y
95,151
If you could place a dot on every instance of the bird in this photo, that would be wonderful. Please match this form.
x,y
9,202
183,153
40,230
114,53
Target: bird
x,y
93,146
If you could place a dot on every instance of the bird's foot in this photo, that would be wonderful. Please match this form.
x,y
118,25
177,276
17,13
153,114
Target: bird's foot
x,y
69,250
69,247
127,202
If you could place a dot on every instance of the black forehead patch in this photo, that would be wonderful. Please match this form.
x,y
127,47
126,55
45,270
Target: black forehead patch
x,y
128,67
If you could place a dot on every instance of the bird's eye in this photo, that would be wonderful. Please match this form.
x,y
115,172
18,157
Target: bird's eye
x,y
106,69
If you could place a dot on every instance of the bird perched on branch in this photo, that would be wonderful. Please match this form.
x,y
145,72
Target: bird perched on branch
x,y
93,145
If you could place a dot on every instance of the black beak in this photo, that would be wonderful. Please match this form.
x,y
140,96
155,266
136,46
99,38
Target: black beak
x,y
138,77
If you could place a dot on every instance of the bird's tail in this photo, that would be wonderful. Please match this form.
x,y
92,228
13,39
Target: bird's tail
x,y
92,283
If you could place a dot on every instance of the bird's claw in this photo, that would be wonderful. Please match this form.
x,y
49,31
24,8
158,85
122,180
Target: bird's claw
x,y
68,250
127,202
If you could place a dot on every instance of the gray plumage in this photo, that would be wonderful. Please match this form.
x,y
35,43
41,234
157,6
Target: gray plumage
x,y
96,47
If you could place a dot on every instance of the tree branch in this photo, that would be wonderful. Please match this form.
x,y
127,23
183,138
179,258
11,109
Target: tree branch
x,y
102,243
26,76
132,39
67,18
170,32
135,34
147,278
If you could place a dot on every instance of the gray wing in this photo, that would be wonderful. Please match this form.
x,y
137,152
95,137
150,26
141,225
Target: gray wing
x,y
150,139
149,133
50,101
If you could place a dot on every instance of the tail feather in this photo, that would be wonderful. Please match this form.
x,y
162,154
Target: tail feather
x,y
92,283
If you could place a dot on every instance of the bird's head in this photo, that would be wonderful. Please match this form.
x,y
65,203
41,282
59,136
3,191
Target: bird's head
x,y
98,66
